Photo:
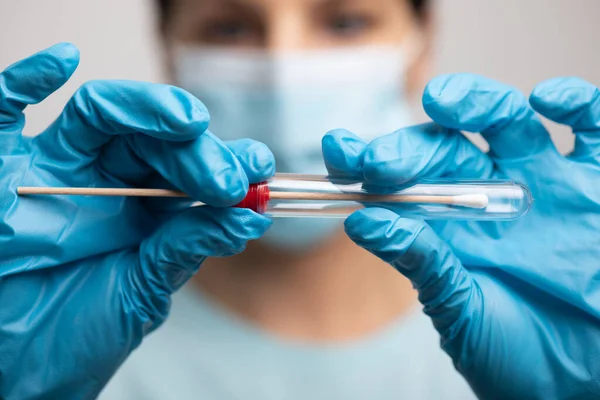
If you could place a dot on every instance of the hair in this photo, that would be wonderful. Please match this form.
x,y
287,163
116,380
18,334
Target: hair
x,y
164,7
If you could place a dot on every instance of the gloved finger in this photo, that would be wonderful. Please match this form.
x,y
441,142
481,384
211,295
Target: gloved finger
x,y
343,153
573,102
423,151
499,112
163,127
445,287
419,151
30,81
255,157
172,255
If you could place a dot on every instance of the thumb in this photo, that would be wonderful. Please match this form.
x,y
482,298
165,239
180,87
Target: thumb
x,y
446,289
174,253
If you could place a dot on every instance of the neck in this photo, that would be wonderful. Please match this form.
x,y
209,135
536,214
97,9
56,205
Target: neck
x,y
334,292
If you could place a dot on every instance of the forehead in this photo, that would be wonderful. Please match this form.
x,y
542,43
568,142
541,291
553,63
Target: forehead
x,y
269,5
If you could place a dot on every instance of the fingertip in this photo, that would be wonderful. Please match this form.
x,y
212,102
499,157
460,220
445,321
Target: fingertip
x,y
190,117
561,95
265,222
438,98
199,232
230,188
448,89
559,83
399,157
236,227
383,232
382,160
368,223
474,103
255,157
59,62
435,88
252,224
222,180
343,152
160,111
65,50
183,115
66,58
338,135
34,78
354,222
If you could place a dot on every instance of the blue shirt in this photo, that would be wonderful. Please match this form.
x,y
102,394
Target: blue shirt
x,y
202,352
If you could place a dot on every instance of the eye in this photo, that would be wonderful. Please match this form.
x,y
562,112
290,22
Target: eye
x,y
228,29
349,24
231,31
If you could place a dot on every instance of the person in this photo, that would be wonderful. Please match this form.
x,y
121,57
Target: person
x,y
277,72
85,279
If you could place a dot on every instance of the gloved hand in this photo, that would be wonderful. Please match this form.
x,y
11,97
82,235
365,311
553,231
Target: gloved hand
x,y
83,279
517,304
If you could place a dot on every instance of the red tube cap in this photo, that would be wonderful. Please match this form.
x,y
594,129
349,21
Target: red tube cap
x,y
257,198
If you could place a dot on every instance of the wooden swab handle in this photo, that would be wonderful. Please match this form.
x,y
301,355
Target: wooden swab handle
x,y
358,197
130,192
472,201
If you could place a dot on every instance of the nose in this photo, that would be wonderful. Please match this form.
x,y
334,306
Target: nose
x,y
287,30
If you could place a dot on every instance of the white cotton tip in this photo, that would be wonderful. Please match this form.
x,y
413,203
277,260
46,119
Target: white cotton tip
x,y
471,200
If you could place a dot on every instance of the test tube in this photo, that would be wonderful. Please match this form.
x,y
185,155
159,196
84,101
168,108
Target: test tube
x,y
296,195
300,195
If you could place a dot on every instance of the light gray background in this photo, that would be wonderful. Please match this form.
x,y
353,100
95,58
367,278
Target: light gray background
x,y
520,42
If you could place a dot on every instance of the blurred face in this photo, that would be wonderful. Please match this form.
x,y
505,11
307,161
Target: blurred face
x,y
276,25
290,24
285,72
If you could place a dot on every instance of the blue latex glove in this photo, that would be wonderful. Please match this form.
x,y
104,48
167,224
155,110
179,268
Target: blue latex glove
x,y
83,279
517,304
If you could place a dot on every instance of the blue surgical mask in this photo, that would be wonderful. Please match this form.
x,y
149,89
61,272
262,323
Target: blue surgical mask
x,y
290,100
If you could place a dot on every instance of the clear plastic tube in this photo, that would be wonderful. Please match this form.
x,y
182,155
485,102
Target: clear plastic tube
x,y
296,195
293,195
